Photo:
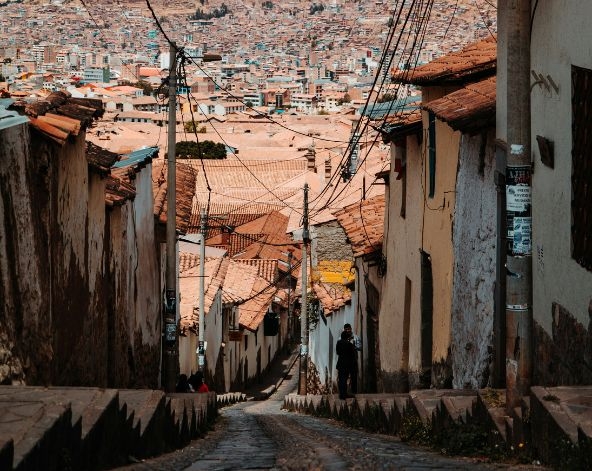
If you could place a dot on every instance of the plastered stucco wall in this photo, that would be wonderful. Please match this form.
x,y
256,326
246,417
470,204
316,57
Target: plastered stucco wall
x,y
25,262
77,314
322,340
474,240
401,248
561,37
437,232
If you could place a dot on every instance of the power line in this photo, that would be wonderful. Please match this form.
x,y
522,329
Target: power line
x,y
263,115
347,153
420,33
237,158
485,22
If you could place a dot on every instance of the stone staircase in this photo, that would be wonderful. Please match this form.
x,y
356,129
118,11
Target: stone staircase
x,y
91,428
553,425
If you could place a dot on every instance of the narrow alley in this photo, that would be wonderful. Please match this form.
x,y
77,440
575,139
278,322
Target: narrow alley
x,y
260,435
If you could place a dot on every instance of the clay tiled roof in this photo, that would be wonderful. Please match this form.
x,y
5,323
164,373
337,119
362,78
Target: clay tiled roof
x,y
363,224
267,269
185,187
100,160
271,223
233,243
332,296
59,116
215,270
252,311
239,281
469,109
117,191
271,247
474,62
227,214
401,125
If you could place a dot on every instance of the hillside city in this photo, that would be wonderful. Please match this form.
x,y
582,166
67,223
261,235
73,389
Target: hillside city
x,y
313,57
229,228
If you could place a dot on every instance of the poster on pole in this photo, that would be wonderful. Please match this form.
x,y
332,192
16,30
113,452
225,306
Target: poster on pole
x,y
518,210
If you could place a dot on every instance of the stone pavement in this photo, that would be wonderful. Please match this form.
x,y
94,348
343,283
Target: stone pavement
x,y
260,435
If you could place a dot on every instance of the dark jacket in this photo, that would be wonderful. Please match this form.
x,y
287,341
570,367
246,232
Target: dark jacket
x,y
346,353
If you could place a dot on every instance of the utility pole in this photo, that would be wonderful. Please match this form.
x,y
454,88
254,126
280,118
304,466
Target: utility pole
x,y
518,203
202,275
290,320
304,312
170,346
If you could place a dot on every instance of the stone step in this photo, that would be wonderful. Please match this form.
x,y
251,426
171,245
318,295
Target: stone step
x,y
6,454
37,424
562,416
150,421
102,426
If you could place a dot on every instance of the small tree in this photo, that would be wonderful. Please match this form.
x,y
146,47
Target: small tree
x,y
204,149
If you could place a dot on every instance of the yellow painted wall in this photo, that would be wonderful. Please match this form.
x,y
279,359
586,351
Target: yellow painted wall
x,y
403,239
437,230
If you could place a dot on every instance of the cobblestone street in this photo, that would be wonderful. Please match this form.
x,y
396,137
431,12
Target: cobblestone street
x,y
259,435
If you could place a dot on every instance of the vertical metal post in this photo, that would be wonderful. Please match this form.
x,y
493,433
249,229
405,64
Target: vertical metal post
x,y
170,345
518,205
202,274
302,386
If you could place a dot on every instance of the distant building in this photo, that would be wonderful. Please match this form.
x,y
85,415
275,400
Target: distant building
x,y
96,74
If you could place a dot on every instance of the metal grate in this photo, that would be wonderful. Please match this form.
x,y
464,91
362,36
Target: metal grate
x,y
581,179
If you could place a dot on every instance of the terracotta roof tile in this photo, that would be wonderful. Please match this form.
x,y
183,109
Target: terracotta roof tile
x,y
233,243
363,224
231,173
271,247
59,115
272,223
117,192
185,187
332,296
227,214
238,284
401,125
267,269
474,62
215,271
252,311
100,160
468,109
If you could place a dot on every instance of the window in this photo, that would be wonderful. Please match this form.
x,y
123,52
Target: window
x,y
246,342
581,179
432,153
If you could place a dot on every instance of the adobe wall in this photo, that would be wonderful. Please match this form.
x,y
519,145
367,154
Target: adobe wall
x,y
25,340
474,239
81,296
563,357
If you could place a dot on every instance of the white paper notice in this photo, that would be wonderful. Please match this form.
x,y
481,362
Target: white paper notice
x,y
517,198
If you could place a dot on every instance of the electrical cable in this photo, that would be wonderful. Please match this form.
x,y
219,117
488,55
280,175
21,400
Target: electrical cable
x,y
257,112
421,31
396,15
485,22
241,162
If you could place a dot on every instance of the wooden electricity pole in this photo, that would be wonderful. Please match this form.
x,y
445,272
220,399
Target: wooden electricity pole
x,y
518,172
302,378
170,347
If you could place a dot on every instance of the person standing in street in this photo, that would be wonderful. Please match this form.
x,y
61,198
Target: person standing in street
x,y
197,382
357,343
346,363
